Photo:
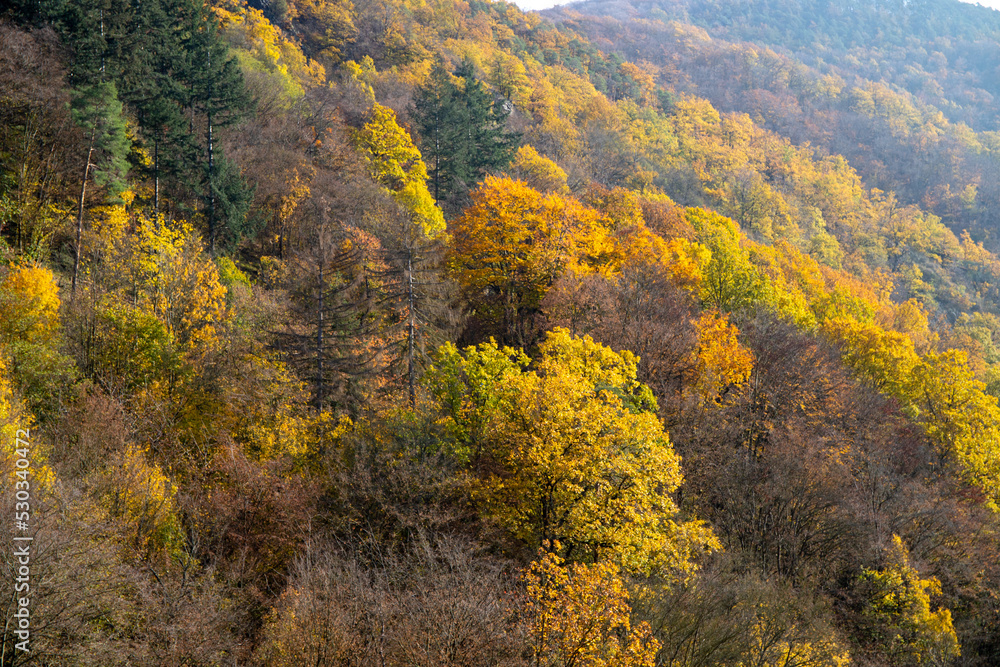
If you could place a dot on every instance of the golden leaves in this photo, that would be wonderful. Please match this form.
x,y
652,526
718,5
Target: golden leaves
x,y
722,360
395,162
580,616
897,602
159,267
572,451
29,304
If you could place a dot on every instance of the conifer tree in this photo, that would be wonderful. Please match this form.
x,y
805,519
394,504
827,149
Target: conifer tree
x,y
434,107
330,343
484,143
462,130
158,96
96,108
216,90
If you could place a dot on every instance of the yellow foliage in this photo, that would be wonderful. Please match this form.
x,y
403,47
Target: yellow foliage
x,y
684,260
768,649
882,358
395,162
357,84
938,390
722,360
13,421
910,318
507,75
897,607
961,419
15,433
29,305
730,280
293,434
580,616
509,246
161,268
575,450
261,46
538,171
142,498
621,207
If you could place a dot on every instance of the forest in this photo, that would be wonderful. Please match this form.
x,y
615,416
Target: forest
x,y
632,333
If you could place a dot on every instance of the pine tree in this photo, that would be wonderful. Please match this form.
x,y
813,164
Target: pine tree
x,y
94,29
216,90
485,144
435,111
462,131
158,96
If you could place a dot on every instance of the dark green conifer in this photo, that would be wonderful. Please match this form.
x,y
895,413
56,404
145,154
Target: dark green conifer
x,y
462,130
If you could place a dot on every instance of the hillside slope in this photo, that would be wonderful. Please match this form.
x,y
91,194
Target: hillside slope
x,y
437,333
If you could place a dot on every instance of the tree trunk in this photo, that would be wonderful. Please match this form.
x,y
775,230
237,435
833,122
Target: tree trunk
x,y
156,177
411,328
211,189
319,330
79,215
211,170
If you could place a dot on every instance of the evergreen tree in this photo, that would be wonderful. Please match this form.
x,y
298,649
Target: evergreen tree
x,y
434,110
462,131
216,89
97,109
95,31
214,92
484,144
158,95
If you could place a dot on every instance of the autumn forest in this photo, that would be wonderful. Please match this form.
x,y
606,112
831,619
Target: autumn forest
x,y
631,333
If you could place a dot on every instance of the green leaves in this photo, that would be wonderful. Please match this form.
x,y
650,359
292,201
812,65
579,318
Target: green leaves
x,y
98,111
462,134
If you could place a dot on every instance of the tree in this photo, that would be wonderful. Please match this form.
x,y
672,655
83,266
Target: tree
x,y
157,94
461,129
580,616
215,87
30,336
731,282
484,143
395,163
510,245
416,298
433,111
722,361
538,171
332,340
571,455
896,616
98,111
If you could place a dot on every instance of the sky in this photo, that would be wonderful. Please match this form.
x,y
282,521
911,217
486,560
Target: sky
x,y
995,4
543,4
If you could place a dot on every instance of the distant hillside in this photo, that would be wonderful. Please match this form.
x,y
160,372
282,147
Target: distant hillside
x,y
906,94
944,52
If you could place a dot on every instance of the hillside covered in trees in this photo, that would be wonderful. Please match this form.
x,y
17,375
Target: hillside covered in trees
x,y
431,332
